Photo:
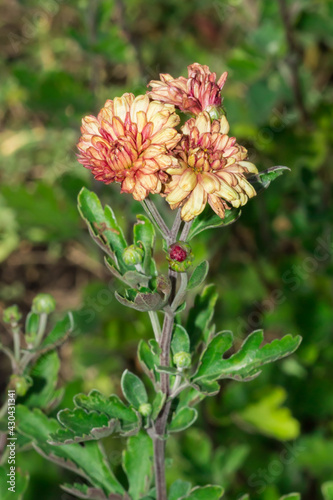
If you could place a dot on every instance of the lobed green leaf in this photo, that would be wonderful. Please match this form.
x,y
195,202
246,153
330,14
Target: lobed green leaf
x,y
88,461
247,362
82,426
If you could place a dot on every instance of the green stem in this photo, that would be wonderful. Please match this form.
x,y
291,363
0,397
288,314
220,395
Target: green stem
x,y
17,343
186,230
177,390
155,217
41,329
176,384
180,296
39,337
155,323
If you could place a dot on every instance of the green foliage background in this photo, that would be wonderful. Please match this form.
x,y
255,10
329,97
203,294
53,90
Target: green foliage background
x,y
273,268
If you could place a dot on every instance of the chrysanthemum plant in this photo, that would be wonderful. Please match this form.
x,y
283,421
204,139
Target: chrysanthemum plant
x,y
33,382
205,176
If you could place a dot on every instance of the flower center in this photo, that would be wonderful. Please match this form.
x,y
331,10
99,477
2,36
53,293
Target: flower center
x,y
122,154
199,160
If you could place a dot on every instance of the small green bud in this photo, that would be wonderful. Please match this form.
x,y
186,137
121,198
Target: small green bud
x,y
12,314
133,255
20,384
145,409
182,359
180,256
43,303
215,112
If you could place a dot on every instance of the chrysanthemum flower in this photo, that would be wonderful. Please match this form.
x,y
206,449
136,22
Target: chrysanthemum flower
x,y
199,92
129,142
212,168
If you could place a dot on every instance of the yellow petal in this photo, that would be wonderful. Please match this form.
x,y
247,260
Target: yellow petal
x,y
141,120
217,205
188,180
209,182
176,169
148,181
249,166
176,195
153,151
224,125
164,161
164,136
159,120
227,193
187,127
128,184
203,122
90,125
247,187
121,107
195,204
139,192
154,108
236,203
140,103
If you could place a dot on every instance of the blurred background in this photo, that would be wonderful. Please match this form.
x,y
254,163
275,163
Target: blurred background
x,y
61,60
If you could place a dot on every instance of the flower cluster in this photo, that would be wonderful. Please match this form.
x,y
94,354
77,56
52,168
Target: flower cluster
x,y
130,142
134,141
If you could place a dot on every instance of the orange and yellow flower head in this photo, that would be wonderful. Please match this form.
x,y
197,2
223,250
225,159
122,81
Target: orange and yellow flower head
x,y
211,168
130,142
199,92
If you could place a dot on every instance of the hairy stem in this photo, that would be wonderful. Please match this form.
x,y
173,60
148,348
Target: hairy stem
x,y
165,343
159,463
161,421
175,229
